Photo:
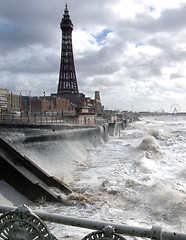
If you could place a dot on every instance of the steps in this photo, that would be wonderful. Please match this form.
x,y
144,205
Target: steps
x,y
28,178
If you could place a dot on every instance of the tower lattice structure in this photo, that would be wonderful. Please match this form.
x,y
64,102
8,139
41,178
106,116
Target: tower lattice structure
x,y
67,77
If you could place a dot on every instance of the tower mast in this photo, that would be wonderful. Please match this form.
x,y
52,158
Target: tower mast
x,y
67,77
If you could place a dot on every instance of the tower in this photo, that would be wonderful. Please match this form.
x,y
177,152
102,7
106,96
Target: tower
x,y
67,85
98,102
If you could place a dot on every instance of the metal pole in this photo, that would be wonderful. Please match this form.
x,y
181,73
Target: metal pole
x,y
122,229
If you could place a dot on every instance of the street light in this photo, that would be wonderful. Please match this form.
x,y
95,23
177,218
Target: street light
x,y
30,102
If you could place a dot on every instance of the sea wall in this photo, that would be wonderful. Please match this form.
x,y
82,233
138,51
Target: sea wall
x,y
114,128
57,149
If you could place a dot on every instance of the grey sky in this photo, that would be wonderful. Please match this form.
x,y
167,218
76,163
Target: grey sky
x,y
134,52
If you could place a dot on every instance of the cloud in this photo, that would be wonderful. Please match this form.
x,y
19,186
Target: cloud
x,y
134,52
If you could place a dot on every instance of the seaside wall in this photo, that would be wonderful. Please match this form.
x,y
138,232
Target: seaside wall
x,y
114,128
55,148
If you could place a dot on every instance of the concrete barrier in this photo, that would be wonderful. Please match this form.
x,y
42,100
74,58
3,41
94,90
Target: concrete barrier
x,y
114,128
26,177
32,165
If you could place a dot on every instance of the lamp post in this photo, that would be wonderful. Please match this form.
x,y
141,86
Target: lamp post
x,y
29,102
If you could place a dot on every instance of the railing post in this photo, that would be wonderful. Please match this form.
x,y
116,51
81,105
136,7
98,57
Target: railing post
x,y
35,118
156,233
107,233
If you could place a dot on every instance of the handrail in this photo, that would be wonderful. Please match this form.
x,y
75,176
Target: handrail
x,y
153,233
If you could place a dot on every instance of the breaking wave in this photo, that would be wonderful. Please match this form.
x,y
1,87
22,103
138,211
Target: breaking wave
x,y
150,147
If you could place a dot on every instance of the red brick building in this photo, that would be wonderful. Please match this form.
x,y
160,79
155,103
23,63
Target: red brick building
x,y
47,104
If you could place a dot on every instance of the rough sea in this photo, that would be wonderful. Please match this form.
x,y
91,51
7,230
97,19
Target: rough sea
x,y
137,178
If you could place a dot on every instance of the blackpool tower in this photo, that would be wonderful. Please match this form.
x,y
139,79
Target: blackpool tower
x,y
67,86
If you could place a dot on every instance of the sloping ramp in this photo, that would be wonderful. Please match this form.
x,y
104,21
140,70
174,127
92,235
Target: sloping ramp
x,y
27,178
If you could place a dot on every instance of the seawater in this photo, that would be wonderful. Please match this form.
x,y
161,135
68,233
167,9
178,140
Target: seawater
x,y
137,178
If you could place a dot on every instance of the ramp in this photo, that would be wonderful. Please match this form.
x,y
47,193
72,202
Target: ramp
x,y
28,178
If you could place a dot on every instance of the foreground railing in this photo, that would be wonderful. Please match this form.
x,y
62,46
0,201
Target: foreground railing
x,y
21,223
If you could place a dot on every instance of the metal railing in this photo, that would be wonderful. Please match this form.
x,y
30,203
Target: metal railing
x,y
38,118
155,233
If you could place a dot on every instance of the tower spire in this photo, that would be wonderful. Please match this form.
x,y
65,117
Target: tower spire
x,y
67,76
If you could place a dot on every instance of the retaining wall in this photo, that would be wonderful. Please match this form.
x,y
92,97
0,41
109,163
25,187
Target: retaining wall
x,y
57,149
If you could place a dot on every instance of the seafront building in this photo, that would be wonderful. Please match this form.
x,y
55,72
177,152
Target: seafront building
x,y
68,100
